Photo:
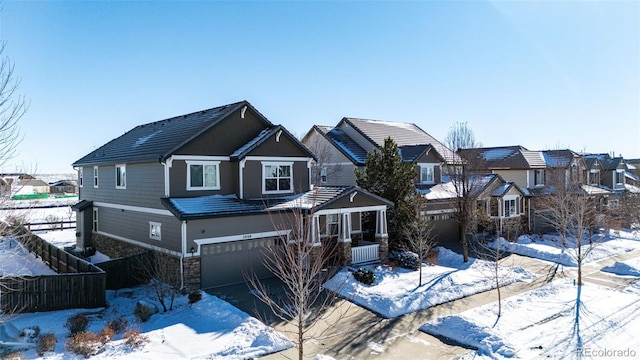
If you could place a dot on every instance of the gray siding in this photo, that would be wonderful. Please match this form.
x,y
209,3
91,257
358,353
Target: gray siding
x,y
343,174
229,226
516,176
145,185
134,225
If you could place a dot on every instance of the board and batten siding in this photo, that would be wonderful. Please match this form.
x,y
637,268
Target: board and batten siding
x,y
144,185
134,225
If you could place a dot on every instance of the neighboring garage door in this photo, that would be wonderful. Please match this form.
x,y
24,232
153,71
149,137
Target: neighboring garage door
x,y
226,263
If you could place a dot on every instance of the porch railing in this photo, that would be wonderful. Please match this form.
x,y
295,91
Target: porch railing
x,y
365,253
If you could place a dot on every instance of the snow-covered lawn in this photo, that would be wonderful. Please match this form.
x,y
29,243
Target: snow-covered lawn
x,y
15,260
396,292
209,329
542,324
549,247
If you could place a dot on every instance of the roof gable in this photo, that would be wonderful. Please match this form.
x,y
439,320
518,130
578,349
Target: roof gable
x,y
158,140
277,133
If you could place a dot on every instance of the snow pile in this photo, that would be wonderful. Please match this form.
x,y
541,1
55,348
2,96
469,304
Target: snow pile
x,y
629,267
396,292
542,324
210,328
549,247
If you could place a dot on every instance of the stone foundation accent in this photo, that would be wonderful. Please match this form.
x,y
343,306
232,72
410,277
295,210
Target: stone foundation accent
x,y
344,253
115,248
383,249
191,266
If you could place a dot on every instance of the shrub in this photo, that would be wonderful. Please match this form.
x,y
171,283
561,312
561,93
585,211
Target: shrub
x,y
135,339
144,311
77,323
432,257
118,325
406,259
84,343
107,334
30,332
194,297
364,276
46,342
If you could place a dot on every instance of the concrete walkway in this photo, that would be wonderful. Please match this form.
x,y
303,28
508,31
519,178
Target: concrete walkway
x,y
353,332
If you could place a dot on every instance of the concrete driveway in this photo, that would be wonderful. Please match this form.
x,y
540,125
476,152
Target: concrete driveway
x,y
352,332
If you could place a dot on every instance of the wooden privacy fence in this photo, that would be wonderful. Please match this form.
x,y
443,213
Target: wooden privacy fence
x,y
79,284
126,272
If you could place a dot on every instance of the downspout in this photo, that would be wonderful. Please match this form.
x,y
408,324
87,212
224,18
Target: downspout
x,y
167,166
183,235
240,171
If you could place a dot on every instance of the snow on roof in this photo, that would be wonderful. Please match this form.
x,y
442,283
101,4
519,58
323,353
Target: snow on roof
x,y
497,154
632,189
252,142
143,139
595,190
500,190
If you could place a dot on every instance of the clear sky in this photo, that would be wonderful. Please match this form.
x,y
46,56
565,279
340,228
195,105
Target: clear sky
x,y
541,74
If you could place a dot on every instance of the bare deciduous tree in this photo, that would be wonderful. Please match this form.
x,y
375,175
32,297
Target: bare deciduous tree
x,y
328,162
461,172
302,267
418,234
12,107
162,272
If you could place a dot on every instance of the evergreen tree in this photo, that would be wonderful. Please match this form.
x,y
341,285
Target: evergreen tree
x,y
386,175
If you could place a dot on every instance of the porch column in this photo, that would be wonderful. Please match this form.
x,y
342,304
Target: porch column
x,y
315,230
382,237
344,240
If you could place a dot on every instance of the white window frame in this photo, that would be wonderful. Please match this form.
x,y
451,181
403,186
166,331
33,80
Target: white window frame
x,y
94,221
80,176
155,230
593,173
323,175
618,174
96,177
204,164
535,177
278,178
517,208
330,222
121,176
424,167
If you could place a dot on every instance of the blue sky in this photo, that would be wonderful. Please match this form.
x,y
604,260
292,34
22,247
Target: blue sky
x,y
542,74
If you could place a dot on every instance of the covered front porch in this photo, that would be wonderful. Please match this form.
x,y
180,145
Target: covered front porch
x,y
345,226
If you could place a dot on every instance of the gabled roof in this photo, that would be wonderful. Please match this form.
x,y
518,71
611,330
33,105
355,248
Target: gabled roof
x,y
277,131
411,153
376,131
343,143
212,206
491,185
158,140
506,157
559,158
605,161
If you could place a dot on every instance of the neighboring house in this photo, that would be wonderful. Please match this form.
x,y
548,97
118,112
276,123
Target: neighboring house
x,y
564,168
342,149
212,189
30,187
500,206
606,171
63,187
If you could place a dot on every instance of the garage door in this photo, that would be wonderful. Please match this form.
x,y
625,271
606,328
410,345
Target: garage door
x,y
226,263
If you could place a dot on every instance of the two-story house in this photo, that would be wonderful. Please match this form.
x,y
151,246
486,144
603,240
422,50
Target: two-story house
x,y
212,189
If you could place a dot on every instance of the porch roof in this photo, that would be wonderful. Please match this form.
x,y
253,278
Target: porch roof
x,y
213,206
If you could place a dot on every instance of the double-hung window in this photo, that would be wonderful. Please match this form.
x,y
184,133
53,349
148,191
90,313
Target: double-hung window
x,y
277,178
427,174
594,177
80,176
155,230
94,226
95,176
510,208
121,176
323,174
203,175
619,177
538,178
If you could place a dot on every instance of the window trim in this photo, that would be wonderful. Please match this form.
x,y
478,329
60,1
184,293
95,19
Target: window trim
x,y
124,176
517,206
94,221
618,174
592,173
323,175
96,177
424,166
203,163
80,176
277,163
535,177
152,225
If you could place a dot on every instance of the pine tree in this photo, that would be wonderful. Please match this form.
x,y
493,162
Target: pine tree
x,y
386,175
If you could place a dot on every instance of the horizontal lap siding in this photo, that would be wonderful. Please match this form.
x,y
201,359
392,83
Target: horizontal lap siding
x,y
134,225
229,226
144,187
